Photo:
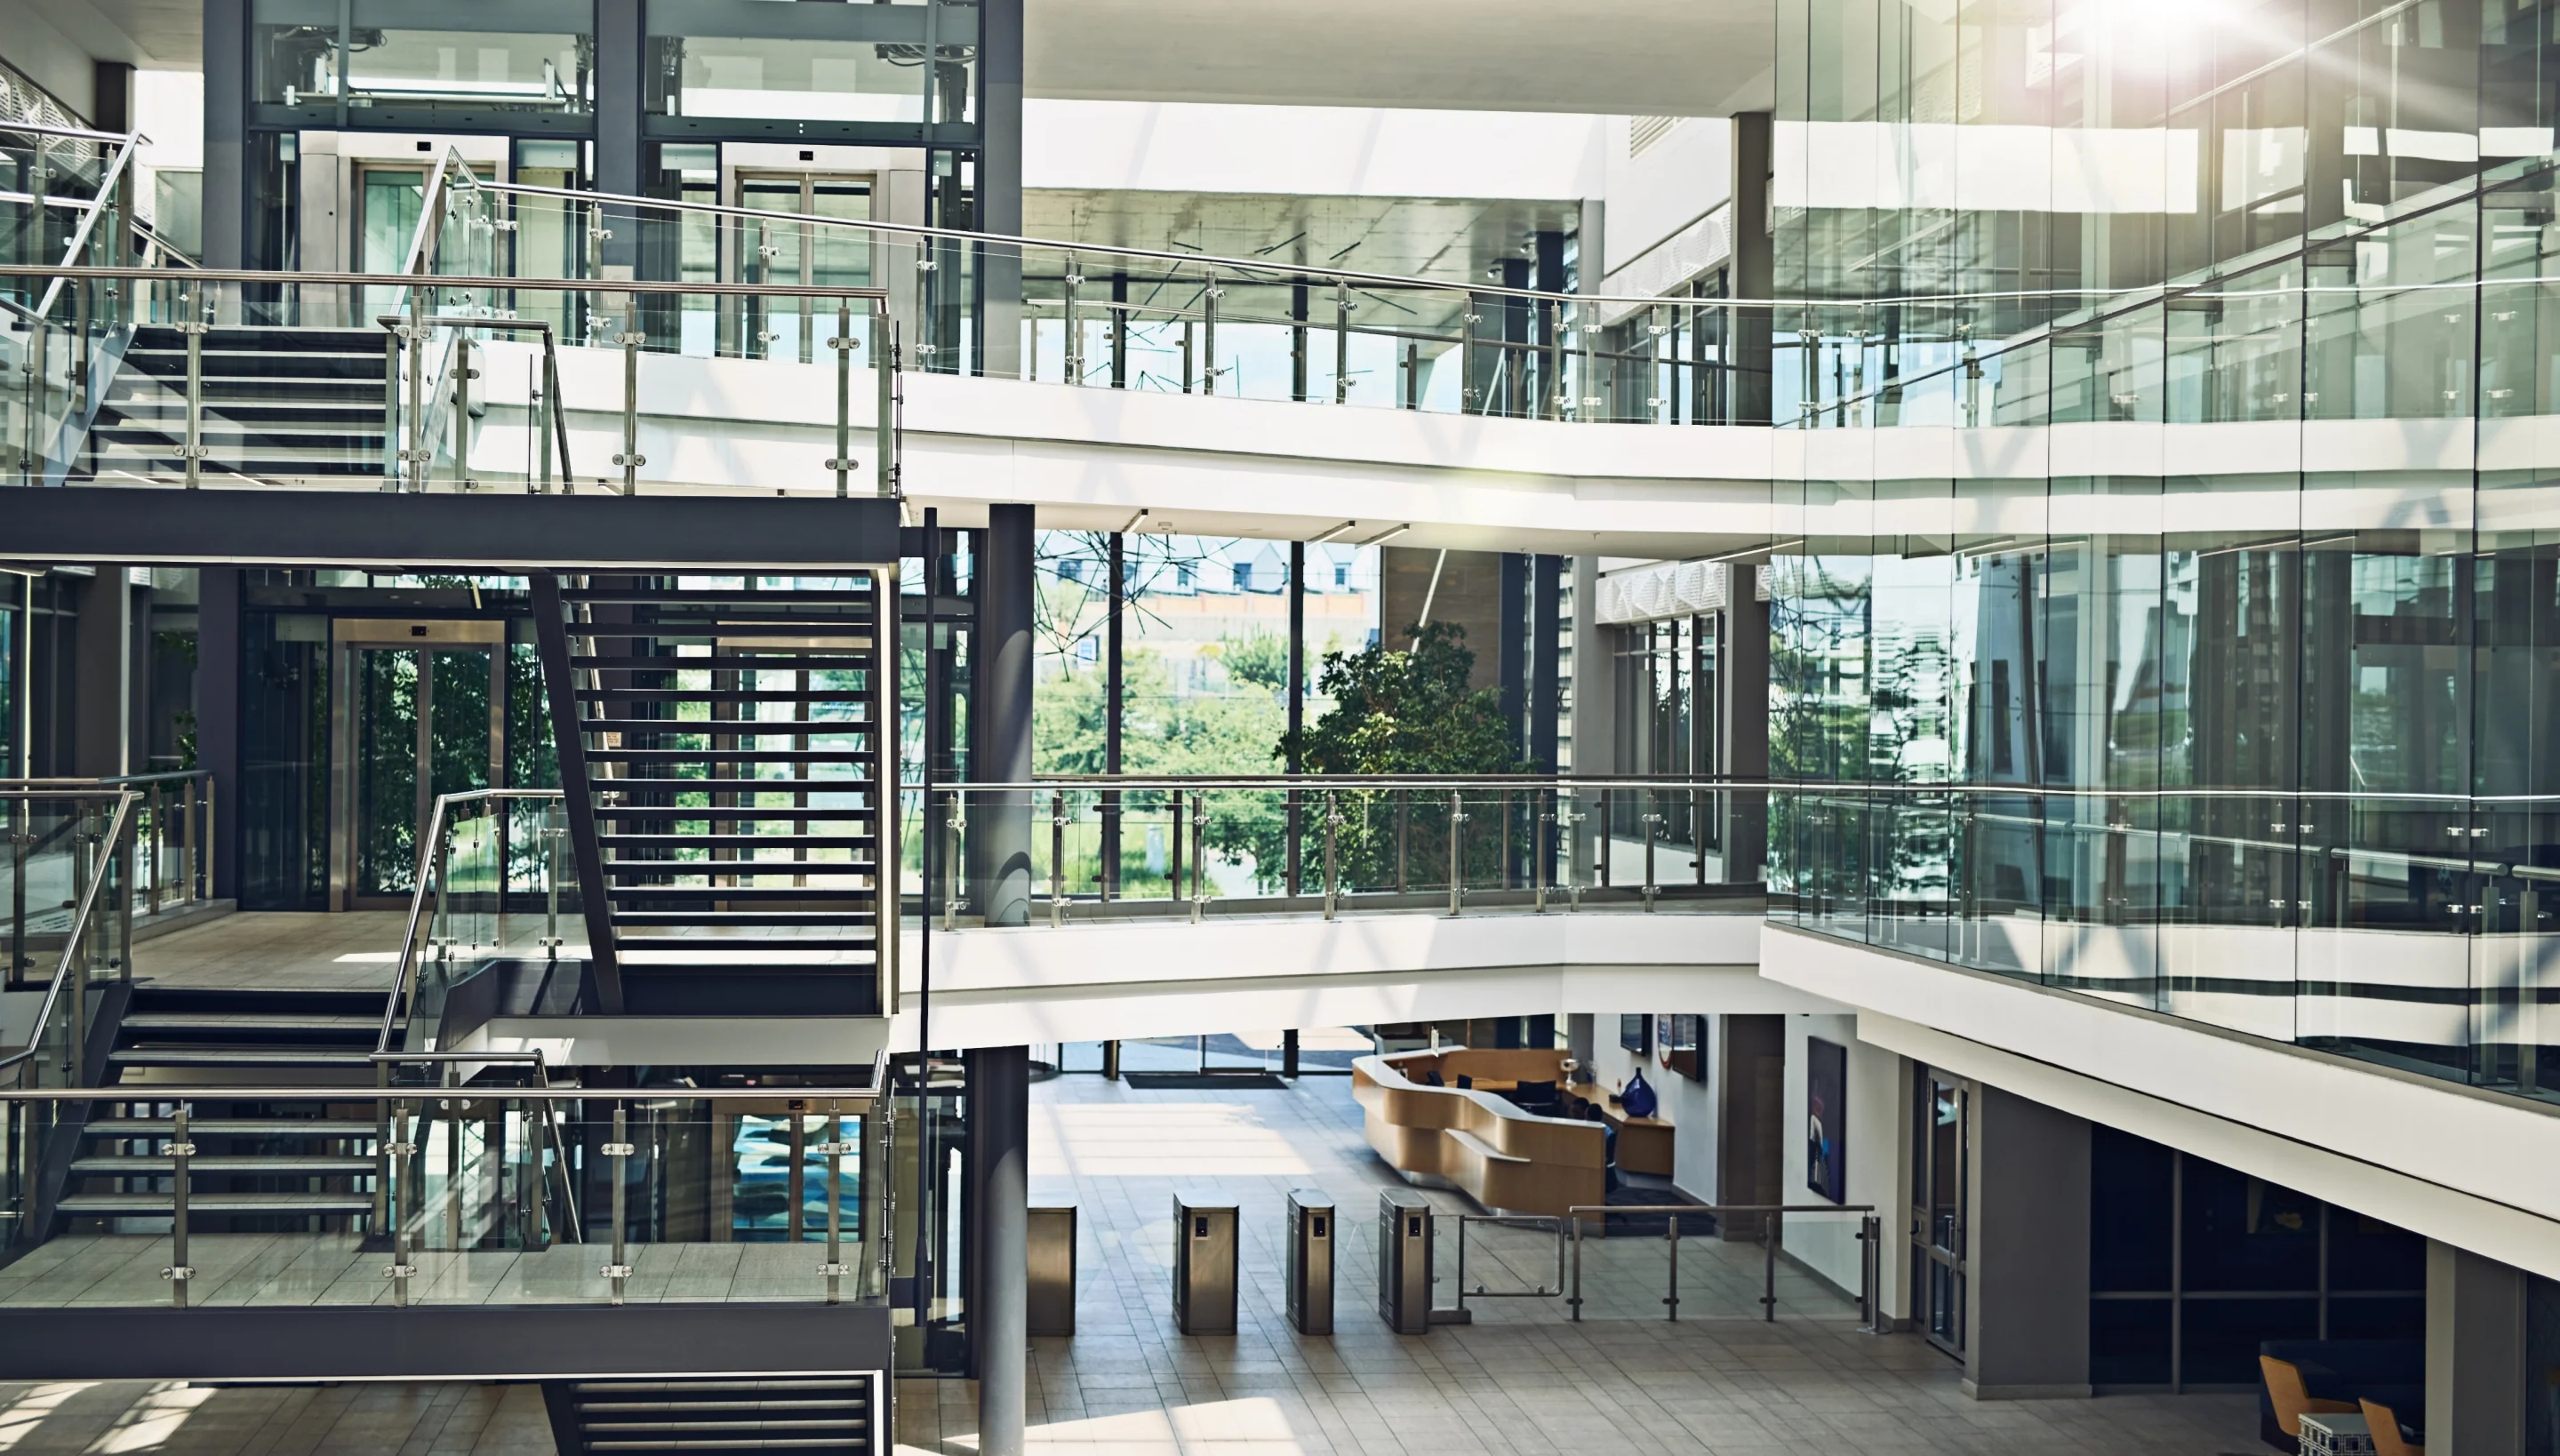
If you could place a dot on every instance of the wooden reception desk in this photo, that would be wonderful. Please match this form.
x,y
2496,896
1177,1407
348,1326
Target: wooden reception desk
x,y
1472,1140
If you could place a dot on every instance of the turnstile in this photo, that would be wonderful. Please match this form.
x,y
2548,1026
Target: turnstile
x,y
1205,1247
1405,1260
1311,1262
1052,1265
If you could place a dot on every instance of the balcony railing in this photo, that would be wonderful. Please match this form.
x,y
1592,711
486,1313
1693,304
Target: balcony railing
x,y
1135,848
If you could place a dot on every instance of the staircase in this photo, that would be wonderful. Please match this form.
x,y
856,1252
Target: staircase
x,y
729,761
278,403
258,1165
811,1413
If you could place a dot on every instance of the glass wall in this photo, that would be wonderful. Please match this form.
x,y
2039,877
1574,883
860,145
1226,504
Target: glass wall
x,y
2169,526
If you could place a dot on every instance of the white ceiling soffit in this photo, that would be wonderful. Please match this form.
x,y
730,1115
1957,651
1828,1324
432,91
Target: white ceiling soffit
x,y
1653,57
1329,151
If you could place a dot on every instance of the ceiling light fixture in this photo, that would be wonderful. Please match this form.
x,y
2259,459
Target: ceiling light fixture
x,y
1330,534
1389,534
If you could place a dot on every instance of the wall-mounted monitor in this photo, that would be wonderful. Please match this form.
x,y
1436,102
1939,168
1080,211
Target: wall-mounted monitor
x,y
1634,1034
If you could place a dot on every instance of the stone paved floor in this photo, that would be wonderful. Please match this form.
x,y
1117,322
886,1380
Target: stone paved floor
x,y
355,951
1523,1379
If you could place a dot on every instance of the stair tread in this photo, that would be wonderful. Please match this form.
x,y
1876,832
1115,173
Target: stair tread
x,y
239,1056
155,1021
228,1202
145,1128
106,1166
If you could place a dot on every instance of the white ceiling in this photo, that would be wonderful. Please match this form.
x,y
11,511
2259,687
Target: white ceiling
x,y
1647,58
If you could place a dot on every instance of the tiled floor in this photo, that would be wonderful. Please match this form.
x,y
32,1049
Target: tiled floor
x,y
1521,1380
103,1416
266,949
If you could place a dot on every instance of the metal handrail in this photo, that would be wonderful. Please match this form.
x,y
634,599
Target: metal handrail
x,y
1726,783
39,128
88,219
155,1093
551,374
74,942
449,280
403,973
1869,1234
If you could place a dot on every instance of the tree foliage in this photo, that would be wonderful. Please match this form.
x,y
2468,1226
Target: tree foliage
x,y
1406,712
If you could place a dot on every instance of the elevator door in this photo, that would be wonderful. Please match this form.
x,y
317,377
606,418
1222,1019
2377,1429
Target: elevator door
x,y
420,712
785,253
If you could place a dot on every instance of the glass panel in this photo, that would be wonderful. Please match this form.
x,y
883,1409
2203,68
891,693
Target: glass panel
x,y
388,702
459,735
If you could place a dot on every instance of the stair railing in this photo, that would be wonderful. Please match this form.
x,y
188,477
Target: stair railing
x,y
97,948
550,420
438,352
80,352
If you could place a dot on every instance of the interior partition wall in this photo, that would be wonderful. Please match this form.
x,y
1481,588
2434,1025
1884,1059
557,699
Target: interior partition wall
x,y
2163,597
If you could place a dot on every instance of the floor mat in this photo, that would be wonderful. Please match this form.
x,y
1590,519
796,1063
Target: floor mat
x,y
1201,1081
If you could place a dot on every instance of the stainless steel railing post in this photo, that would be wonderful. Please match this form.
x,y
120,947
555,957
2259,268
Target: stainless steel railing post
x,y
1057,860
194,450
181,1150
1670,1240
396,1156
844,343
1210,293
1200,853
1343,345
630,460
1653,823
1333,873
1573,1302
1457,851
835,1147
1769,1268
1074,342
463,373
619,1150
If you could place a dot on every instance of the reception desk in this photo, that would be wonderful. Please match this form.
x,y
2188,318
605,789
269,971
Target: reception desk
x,y
1472,1140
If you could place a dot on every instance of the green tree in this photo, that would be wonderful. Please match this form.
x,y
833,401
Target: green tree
x,y
1406,712
1258,657
1409,711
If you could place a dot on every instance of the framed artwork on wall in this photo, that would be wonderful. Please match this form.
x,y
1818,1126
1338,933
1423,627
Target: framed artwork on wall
x,y
1634,1035
1827,1118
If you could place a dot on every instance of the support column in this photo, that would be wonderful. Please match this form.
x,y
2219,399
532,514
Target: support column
x,y
226,184
1545,633
2475,1386
1595,720
1000,185
102,643
218,714
1743,687
1751,1115
1297,706
1754,268
999,1152
2027,1251
1511,647
999,845
1114,709
620,43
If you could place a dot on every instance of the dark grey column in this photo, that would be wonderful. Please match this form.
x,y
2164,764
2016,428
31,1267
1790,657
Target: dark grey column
x,y
999,183
1751,1115
1545,634
2476,1374
1744,670
1114,713
1297,704
226,184
998,1151
218,714
999,845
102,702
1511,646
620,51
2027,1251
1753,267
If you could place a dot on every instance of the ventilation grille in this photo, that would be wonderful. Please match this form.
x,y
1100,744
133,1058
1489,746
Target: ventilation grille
x,y
1644,131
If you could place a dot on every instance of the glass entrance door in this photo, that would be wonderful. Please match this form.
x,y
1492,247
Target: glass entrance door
x,y
416,719
1939,1210
784,254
